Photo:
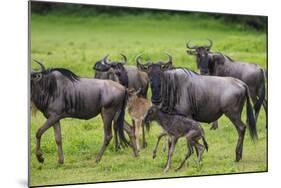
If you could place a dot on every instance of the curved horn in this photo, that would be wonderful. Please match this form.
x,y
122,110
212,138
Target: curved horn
x,y
138,61
41,65
210,43
104,59
190,47
170,58
124,58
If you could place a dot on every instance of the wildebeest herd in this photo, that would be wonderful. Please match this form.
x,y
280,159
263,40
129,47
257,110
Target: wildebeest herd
x,y
181,98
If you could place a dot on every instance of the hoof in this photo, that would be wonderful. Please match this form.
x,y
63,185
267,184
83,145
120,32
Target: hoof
x,y
144,145
40,159
154,156
98,159
165,170
238,158
117,148
60,161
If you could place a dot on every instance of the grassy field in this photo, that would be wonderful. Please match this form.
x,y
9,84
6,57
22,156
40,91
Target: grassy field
x,y
77,42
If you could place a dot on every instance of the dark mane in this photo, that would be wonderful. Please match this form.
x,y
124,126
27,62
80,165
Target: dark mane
x,y
171,88
225,56
65,72
229,58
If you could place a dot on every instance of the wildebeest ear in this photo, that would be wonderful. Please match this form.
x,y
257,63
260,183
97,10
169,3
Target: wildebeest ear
x,y
190,52
167,66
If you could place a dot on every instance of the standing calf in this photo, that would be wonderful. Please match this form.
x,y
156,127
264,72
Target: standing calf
x,y
137,108
176,126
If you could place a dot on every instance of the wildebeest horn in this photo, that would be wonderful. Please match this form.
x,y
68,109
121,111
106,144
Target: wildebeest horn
x,y
210,45
190,47
170,58
41,65
124,58
105,59
138,61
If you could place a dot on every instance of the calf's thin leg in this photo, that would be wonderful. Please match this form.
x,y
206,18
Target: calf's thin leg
x,y
170,153
137,133
157,143
190,143
200,149
50,122
144,144
57,131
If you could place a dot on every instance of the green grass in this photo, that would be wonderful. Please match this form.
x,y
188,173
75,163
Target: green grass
x,y
77,42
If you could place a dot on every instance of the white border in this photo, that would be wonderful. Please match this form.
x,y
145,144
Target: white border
x,y
13,82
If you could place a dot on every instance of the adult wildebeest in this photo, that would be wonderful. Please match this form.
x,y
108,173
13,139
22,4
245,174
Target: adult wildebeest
x,y
176,126
136,79
58,93
129,77
202,98
217,64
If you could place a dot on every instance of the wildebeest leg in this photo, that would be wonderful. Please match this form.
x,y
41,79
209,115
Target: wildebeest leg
x,y
57,131
107,117
137,133
235,118
189,153
157,143
200,149
131,132
214,125
50,122
144,144
170,153
117,145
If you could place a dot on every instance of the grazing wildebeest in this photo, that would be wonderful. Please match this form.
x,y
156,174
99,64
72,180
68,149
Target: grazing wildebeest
x,y
176,126
217,64
202,98
58,93
136,79
137,108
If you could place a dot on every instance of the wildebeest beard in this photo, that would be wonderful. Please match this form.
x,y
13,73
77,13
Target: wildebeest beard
x,y
123,76
45,90
174,94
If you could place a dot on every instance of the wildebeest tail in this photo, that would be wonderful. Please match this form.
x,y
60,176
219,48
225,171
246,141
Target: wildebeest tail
x,y
120,121
261,96
204,139
250,116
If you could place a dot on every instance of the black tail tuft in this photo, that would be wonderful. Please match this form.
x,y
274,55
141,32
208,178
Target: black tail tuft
x,y
250,116
261,96
120,122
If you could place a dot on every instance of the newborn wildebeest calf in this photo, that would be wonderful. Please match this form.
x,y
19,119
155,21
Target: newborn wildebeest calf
x,y
176,126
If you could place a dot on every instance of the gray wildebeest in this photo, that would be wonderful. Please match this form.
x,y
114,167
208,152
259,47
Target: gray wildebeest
x,y
176,126
202,98
136,79
217,64
58,93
